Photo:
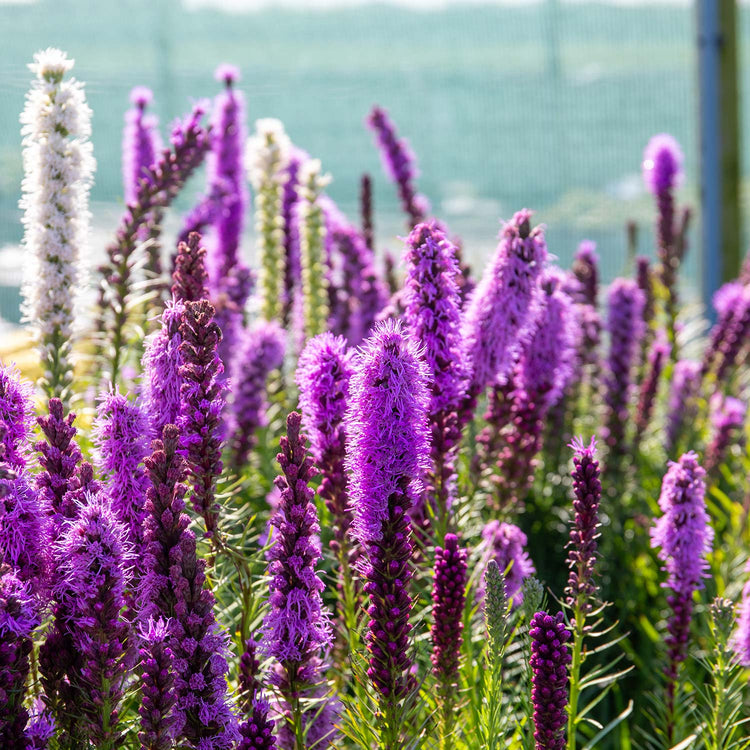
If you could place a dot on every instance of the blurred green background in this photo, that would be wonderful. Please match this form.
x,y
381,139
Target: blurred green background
x,y
542,104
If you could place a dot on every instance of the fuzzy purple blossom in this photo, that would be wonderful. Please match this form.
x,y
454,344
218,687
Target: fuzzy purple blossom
x,y
501,313
202,401
15,416
432,313
549,662
584,531
161,369
388,457
727,417
662,164
121,435
736,336
19,617
157,686
625,325
141,142
93,559
174,588
324,371
399,164
448,598
289,200
727,300
683,536
505,544
40,728
262,351
586,270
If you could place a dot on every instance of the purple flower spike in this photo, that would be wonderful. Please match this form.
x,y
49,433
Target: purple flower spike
x,y
18,620
682,407
190,275
625,324
683,536
447,615
202,401
586,270
727,300
727,417
323,375
505,544
399,164
657,359
257,729
501,312
121,433
92,560
161,369
174,587
735,337
662,164
549,662
297,625
584,531
157,687
40,728
59,456
262,352
15,416
387,457
141,142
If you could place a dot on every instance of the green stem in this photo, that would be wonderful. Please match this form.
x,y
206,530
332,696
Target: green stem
x,y
575,672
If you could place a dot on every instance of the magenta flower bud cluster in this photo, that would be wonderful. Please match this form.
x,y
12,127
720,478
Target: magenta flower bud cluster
x,y
549,662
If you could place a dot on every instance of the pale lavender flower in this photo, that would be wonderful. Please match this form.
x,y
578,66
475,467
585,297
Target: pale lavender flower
x,y
506,545
141,142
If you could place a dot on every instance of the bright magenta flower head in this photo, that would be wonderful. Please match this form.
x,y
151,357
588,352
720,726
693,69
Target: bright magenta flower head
x,y
662,164
386,427
502,310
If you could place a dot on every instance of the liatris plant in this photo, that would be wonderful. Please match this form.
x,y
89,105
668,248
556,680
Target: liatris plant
x,y
506,545
58,168
256,730
141,143
586,270
500,315
161,369
202,401
296,628
728,416
19,617
174,588
157,686
550,658
190,275
447,624
683,536
92,561
323,375
312,237
432,310
399,164
657,359
544,368
188,146
645,284
727,301
625,325
15,416
662,173
735,338
740,641
290,196
262,352
388,455
581,591
366,210
267,156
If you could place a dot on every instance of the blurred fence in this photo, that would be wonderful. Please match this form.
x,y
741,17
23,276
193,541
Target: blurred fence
x,y
546,105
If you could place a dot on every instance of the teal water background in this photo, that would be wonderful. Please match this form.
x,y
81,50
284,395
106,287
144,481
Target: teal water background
x,y
544,105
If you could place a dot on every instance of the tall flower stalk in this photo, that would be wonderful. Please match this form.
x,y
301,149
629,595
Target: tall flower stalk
x,y
683,537
141,143
312,238
582,545
189,143
387,457
296,628
432,304
267,156
58,172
